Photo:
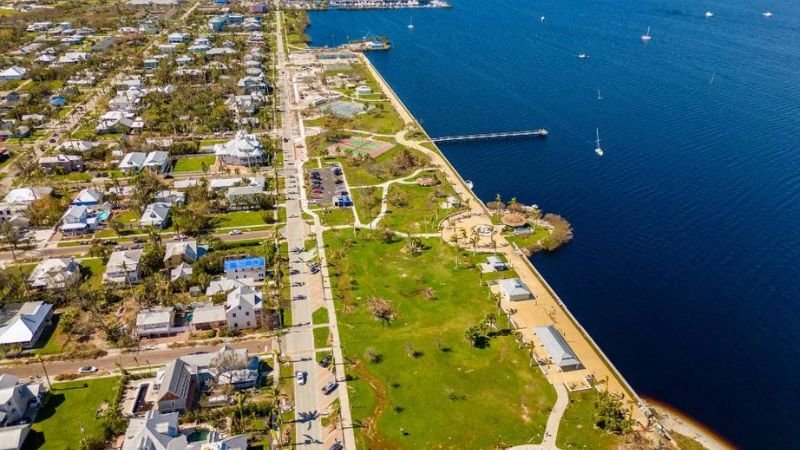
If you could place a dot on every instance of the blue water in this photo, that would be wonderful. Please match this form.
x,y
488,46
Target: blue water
x,y
685,262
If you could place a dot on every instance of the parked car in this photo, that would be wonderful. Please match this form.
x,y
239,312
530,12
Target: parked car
x,y
235,232
330,387
326,361
138,240
87,369
300,377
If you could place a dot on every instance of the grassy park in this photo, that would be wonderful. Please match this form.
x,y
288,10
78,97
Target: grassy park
x,y
335,216
193,163
417,382
241,218
416,209
68,408
577,429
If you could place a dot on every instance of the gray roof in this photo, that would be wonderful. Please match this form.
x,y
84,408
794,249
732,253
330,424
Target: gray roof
x,y
174,374
557,347
513,287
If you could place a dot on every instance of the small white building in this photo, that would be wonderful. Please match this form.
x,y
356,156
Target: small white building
x,y
155,321
13,73
156,215
514,290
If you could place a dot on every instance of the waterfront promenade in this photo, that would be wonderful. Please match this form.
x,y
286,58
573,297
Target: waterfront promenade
x,y
548,309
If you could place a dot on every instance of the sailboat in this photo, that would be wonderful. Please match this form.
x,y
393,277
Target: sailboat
x,y
709,14
767,14
599,97
646,37
598,151
411,24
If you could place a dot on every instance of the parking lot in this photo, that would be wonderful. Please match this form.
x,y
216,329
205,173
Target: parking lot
x,y
322,186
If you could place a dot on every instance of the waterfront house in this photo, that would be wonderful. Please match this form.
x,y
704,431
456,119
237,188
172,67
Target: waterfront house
x,y
61,163
156,215
236,269
123,267
560,352
514,290
26,325
155,321
55,274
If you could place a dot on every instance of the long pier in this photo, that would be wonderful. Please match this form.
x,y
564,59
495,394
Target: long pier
x,y
541,132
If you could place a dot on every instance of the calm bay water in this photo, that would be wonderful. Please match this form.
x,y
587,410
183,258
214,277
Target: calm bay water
x,y
684,267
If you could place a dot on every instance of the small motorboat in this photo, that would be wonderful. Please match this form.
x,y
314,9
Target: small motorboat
x,y
709,14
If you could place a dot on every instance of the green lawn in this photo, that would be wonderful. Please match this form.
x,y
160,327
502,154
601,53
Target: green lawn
x,y
51,342
321,337
367,202
336,216
240,218
73,176
416,209
577,430
194,163
320,315
68,408
527,240
92,270
429,381
380,171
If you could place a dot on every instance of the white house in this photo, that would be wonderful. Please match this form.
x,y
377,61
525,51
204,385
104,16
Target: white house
x,y
55,273
13,73
123,267
207,317
132,162
170,197
27,195
243,308
178,252
136,161
155,321
77,220
514,290
27,325
254,268
78,146
161,431
244,197
181,271
156,215
158,161
243,150
225,285
88,197
16,399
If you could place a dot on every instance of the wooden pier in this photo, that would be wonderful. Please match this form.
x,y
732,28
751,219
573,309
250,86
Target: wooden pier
x,y
541,132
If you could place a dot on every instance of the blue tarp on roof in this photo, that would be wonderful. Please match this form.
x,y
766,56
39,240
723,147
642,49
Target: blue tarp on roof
x,y
245,263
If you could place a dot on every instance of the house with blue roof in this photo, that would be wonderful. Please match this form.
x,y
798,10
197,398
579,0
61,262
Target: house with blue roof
x,y
254,267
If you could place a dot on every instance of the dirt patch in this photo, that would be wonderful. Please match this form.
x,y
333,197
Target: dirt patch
x,y
372,437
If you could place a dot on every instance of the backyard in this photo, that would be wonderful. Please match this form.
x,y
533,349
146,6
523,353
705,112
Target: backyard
x,y
417,382
68,409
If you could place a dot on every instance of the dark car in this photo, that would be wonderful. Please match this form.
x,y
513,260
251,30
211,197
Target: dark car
x,y
138,240
336,446
330,387
326,361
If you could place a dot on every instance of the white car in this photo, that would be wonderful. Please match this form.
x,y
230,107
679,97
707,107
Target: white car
x,y
300,377
235,232
87,369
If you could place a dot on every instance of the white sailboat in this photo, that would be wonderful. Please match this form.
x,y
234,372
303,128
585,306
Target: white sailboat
x,y
411,23
767,14
709,14
597,150
646,37
582,56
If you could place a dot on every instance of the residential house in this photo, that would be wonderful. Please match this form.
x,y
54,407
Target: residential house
x,y
72,58
155,321
222,184
156,215
61,163
178,252
136,161
243,150
16,400
182,271
118,122
170,197
78,220
226,366
77,146
26,325
178,38
226,285
13,437
236,269
132,162
157,161
244,308
160,431
209,317
244,197
26,195
176,387
514,290
55,274
123,267
13,73
88,197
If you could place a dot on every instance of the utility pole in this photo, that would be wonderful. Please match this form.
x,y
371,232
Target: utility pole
x,y
46,376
